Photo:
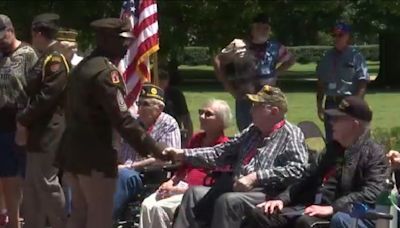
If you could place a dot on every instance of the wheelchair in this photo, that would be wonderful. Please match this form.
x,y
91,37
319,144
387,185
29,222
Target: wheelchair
x,y
152,177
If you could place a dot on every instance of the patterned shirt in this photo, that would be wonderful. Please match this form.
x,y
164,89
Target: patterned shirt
x,y
14,68
341,72
165,130
279,159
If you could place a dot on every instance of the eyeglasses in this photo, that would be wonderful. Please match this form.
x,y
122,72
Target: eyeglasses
x,y
143,103
206,113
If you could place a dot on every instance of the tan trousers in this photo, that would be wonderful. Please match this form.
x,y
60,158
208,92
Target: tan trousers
x,y
43,195
92,200
158,213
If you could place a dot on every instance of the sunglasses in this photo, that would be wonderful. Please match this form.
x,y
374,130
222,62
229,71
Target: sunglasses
x,y
206,113
143,103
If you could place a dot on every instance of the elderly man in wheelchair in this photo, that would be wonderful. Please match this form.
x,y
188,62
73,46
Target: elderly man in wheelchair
x,y
162,128
353,171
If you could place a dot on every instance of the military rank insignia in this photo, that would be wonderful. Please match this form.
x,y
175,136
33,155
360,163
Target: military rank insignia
x,y
121,102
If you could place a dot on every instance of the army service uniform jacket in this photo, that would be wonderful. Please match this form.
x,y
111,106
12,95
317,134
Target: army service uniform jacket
x,y
43,116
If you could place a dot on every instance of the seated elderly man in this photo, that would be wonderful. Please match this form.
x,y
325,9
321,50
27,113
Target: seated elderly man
x,y
355,170
265,158
161,127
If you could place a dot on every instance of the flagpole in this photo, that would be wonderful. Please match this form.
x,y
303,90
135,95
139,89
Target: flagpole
x,y
155,68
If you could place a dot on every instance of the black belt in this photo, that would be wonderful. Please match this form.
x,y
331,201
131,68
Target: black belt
x,y
336,99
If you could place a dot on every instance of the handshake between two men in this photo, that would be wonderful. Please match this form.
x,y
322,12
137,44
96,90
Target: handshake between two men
x,y
242,184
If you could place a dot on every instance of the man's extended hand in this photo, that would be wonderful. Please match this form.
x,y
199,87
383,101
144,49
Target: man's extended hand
x,y
318,211
173,153
21,135
394,159
245,183
271,206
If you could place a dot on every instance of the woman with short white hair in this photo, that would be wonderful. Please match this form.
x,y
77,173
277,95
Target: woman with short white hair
x,y
158,209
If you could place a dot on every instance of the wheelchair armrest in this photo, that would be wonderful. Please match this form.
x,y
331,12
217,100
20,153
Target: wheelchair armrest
x,y
375,215
172,167
151,168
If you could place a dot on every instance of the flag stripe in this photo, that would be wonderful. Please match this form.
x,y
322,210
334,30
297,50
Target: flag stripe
x,y
145,28
146,24
145,49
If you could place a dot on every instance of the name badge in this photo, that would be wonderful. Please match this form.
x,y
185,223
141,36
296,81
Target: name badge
x,y
332,85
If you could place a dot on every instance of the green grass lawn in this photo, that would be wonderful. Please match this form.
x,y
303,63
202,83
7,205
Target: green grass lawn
x,y
302,107
300,94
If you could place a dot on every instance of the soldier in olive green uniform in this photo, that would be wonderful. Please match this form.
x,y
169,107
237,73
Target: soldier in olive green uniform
x,y
95,106
43,117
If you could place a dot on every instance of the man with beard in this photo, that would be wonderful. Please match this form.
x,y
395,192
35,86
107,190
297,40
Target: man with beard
x,y
95,106
16,59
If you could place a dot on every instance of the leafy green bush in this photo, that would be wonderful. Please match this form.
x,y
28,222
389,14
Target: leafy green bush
x,y
304,54
390,138
196,56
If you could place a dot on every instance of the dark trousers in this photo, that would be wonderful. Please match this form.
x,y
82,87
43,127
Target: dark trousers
x,y
229,208
257,219
329,104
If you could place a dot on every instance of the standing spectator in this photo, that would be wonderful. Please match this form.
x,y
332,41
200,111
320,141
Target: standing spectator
x,y
341,72
95,106
158,209
16,60
44,118
175,105
162,127
267,55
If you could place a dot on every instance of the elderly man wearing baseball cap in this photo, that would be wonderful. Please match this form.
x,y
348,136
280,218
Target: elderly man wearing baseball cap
x,y
353,170
341,72
265,158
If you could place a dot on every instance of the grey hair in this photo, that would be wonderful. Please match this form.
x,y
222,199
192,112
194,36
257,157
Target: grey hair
x,y
222,110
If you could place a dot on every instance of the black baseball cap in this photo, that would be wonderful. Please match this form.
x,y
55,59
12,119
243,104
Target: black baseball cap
x,y
353,106
152,91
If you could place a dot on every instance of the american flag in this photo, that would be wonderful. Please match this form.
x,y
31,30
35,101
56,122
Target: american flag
x,y
135,66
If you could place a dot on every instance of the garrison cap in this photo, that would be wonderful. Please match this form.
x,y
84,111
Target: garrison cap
x,y
67,35
114,26
152,91
48,20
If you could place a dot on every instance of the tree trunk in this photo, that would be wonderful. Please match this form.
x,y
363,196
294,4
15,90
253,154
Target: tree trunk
x,y
389,56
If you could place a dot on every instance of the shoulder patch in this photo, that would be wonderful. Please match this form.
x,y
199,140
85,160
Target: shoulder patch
x,y
115,77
